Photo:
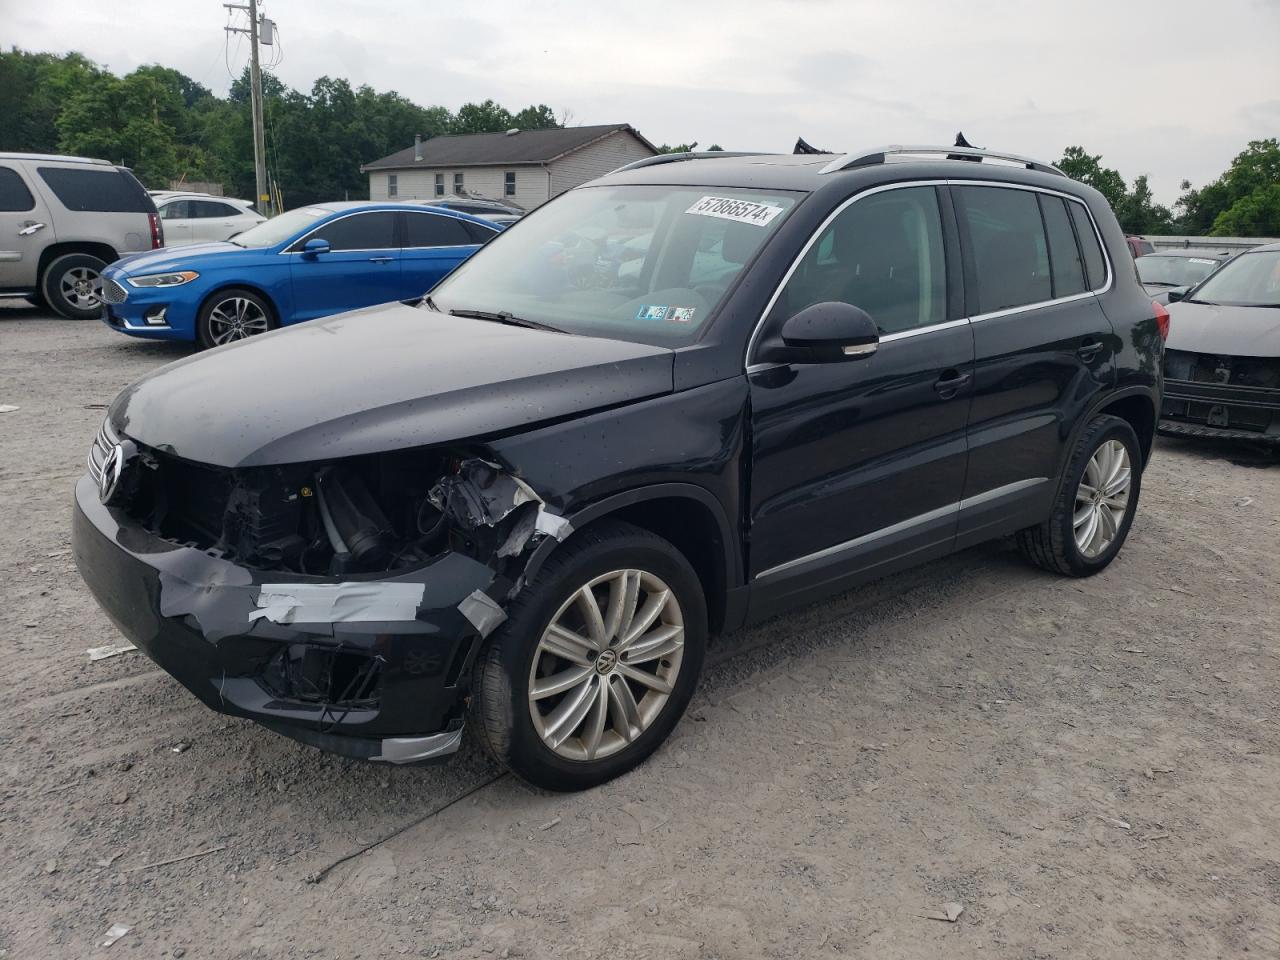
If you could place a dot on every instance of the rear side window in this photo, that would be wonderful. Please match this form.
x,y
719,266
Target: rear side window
x,y
362,231
103,190
433,230
477,233
1006,238
212,208
14,195
1065,265
1095,267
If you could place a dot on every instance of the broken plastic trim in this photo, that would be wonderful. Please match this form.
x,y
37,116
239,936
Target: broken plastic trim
x,y
483,494
416,749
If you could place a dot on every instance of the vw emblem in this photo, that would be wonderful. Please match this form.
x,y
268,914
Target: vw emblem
x,y
112,468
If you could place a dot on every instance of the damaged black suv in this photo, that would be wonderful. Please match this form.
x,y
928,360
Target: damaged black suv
x,y
686,396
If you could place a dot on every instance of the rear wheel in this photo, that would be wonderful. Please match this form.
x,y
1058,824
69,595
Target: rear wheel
x,y
72,286
1095,505
231,315
597,661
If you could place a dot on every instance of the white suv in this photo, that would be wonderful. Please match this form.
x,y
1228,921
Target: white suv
x,y
62,219
202,217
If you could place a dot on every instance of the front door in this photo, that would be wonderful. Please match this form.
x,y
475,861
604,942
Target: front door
x,y
178,231
360,268
860,464
25,230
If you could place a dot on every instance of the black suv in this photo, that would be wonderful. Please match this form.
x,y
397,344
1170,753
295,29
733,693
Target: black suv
x,y
691,394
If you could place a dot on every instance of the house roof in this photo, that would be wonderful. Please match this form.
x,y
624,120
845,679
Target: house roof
x,y
494,149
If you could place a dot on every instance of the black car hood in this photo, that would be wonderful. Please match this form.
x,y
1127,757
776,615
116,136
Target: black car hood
x,y
1224,330
382,378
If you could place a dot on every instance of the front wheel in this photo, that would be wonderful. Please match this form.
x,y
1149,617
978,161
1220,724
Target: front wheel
x,y
231,315
1095,505
597,661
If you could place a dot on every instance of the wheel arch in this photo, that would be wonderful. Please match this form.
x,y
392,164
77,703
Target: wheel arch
x,y
1135,406
102,251
689,517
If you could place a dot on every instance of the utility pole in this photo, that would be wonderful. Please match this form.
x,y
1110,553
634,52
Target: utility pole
x,y
263,197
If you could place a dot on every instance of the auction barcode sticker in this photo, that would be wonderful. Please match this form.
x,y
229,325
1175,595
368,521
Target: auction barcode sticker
x,y
739,211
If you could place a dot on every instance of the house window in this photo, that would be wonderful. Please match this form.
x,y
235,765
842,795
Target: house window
x,y
439,184
457,183
509,185
393,188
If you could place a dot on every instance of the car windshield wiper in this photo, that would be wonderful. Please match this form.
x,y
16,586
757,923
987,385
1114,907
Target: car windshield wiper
x,y
1207,303
504,316
1160,283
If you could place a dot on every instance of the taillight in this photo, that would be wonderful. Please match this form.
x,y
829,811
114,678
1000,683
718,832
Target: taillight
x,y
157,231
1162,319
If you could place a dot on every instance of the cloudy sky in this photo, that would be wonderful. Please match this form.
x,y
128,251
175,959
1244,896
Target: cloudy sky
x,y
1170,88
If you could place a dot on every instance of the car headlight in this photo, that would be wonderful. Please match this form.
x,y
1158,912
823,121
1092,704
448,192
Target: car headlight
x,y
164,279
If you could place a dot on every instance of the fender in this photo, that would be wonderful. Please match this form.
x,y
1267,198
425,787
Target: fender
x,y
1105,400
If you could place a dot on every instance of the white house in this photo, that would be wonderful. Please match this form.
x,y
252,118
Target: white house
x,y
526,167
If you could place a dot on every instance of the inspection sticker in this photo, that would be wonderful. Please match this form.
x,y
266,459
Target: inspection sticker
x,y
682,314
1201,260
652,312
739,211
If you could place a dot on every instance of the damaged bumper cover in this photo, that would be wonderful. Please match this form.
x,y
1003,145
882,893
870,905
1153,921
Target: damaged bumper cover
x,y
368,666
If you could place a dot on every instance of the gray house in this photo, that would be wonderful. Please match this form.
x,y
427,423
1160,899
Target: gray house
x,y
527,167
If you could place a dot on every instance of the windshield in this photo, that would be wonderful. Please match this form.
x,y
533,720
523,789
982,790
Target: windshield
x,y
645,263
1174,271
1250,280
279,229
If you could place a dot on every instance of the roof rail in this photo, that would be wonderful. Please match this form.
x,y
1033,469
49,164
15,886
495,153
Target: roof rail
x,y
677,157
866,158
54,157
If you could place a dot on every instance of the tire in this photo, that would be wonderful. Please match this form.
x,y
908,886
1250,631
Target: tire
x,y
1054,545
593,750
72,286
37,300
233,314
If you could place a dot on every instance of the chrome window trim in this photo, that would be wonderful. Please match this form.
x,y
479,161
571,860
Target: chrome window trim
x,y
952,508
750,367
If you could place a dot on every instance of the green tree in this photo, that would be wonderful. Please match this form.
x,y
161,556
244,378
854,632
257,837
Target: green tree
x,y
1078,165
487,117
1254,215
540,117
1244,188
1139,213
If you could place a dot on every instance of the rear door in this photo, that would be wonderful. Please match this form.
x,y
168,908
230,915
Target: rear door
x,y
214,220
177,222
361,267
25,229
1043,346
433,245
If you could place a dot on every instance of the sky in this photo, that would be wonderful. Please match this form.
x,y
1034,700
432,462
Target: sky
x,y
1170,88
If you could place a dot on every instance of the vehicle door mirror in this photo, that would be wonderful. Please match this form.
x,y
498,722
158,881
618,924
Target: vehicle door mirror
x,y
828,332
314,247
1177,293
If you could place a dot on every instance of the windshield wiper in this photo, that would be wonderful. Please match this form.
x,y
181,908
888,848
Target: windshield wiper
x,y
1160,283
504,316
427,302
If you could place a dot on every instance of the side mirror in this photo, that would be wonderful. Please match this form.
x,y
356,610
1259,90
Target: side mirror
x,y
1177,293
314,247
828,332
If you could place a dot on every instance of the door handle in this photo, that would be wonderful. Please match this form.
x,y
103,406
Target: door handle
x,y
951,383
381,259
29,228
1088,350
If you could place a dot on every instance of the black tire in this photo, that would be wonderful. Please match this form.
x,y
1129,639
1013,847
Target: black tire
x,y
1051,545
37,300
63,286
501,707
210,328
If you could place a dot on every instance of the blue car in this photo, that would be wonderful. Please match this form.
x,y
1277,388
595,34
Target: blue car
x,y
307,263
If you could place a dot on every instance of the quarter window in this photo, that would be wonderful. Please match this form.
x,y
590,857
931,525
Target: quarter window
x,y
362,231
1065,264
1095,266
393,185
509,184
1005,234
439,184
101,190
457,183
883,253
433,230
14,195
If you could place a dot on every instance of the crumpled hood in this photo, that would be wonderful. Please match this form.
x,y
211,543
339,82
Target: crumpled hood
x,y
382,378
1229,331
184,257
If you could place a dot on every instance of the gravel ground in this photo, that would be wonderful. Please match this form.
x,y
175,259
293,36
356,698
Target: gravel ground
x,y
1089,767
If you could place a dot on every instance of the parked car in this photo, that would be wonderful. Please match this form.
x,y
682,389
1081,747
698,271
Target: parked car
x,y
1166,274
1222,368
1140,246
62,219
527,501
492,210
307,263
201,218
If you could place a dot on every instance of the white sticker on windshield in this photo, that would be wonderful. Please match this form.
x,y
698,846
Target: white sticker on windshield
x,y
1200,260
739,211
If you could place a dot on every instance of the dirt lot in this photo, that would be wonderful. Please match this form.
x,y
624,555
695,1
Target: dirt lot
x,y
1092,768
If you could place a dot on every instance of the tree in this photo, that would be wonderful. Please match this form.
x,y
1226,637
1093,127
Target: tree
x,y
1078,165
1255,215
487,117
1245,188
1139,213
540,117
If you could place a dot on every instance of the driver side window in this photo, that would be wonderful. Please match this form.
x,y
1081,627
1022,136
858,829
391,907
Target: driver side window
x,y
883,253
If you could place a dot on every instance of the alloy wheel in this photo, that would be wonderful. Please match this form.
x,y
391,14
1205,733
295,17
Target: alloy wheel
x,y
606,665
82,288
1102,498
236,318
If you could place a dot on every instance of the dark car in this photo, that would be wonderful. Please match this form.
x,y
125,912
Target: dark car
x,y
527,502
1140,246
494,211
1168,274
1222,368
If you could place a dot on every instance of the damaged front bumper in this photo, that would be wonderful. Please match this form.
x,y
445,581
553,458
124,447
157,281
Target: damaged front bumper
x,y
373,666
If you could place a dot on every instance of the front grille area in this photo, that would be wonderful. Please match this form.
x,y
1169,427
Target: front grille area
x,y
1223,392
102,444
112,292
1229,371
